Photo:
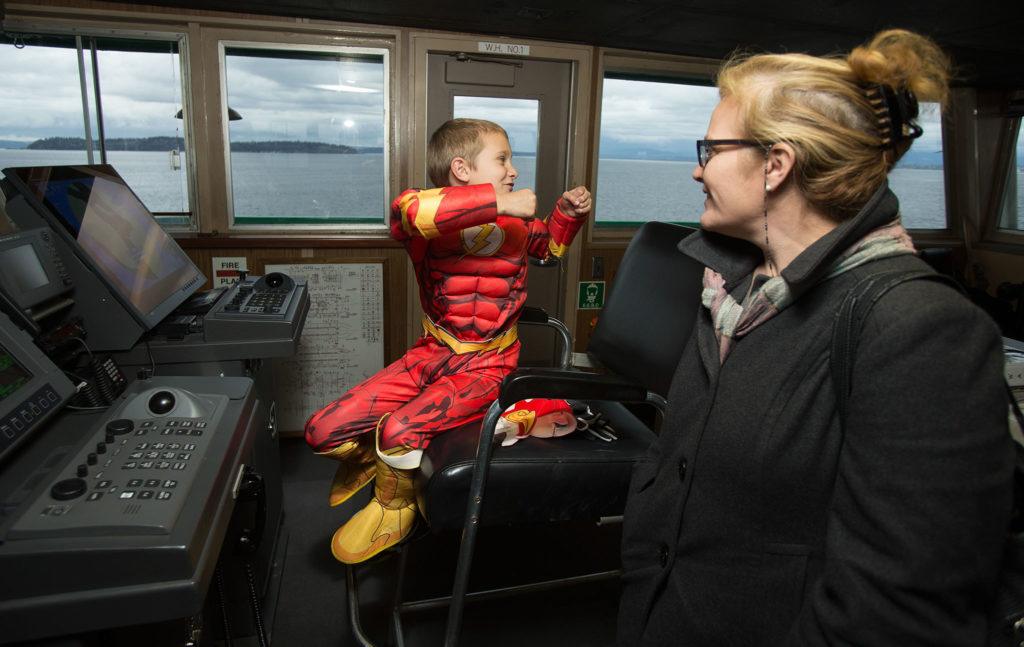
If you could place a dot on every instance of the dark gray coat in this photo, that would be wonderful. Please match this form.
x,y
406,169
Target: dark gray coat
x,y
753,521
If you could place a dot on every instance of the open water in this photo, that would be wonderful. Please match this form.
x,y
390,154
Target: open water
x,y
275,185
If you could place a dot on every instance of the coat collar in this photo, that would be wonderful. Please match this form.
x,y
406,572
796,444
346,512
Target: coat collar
x,y
735,259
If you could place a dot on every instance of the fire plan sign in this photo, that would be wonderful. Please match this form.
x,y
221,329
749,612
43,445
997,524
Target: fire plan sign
x,y
226,269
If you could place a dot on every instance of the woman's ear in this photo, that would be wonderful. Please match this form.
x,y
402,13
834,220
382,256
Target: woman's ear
x,y
459,170
779,164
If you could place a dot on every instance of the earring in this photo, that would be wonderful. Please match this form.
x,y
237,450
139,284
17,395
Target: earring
x,y
767,187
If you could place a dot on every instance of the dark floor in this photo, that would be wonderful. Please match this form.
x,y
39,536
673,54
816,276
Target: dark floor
x,y
312,604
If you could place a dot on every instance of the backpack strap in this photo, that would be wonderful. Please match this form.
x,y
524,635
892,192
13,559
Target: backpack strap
x,y
1006,612
851,317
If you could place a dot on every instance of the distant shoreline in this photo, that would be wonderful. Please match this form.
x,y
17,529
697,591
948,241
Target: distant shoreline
x,y
693,161
164,144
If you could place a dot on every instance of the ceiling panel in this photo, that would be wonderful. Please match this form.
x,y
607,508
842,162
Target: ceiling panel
x,y
982,36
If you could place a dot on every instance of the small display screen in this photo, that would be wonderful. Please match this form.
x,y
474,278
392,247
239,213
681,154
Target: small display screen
x,y
115,230
22,268
12,375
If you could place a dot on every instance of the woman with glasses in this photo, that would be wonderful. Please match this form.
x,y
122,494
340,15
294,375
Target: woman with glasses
x,y
761,516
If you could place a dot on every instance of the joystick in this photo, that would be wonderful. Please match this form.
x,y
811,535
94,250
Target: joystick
x,y
161,402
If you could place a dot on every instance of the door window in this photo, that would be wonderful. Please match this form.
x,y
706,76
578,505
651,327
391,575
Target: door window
x,y
519,118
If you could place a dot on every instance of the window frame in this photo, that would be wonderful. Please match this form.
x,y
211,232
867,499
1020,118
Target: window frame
x,y
995,237
280,224
639,66
943,236
698,71
167,220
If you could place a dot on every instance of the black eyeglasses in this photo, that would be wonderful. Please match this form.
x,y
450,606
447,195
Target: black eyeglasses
x,y
705,147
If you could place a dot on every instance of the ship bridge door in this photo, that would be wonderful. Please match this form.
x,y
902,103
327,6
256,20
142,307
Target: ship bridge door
x,y
530,99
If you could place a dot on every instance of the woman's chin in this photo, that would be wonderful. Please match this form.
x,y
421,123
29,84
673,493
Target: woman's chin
x,y
707,221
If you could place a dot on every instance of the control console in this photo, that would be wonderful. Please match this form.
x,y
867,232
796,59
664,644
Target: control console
x,y
123,514
258,308
134,474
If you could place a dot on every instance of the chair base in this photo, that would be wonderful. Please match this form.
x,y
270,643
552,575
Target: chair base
x,y
401,607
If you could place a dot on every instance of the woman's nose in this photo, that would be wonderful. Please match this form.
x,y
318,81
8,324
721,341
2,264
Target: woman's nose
x,y
698,173
512,172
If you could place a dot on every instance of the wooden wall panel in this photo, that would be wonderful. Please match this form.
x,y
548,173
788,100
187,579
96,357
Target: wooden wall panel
x,y
610,255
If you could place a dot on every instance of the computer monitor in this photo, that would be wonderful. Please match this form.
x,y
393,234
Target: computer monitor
x,y
31,273
114,234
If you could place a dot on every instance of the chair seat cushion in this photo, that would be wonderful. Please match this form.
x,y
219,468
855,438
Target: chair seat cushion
x,y
576,477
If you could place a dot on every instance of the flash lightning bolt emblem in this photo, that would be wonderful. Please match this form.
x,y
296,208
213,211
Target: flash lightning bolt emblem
x,y
483,240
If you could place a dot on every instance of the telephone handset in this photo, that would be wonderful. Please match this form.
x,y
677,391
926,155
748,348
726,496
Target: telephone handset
x,y
103,381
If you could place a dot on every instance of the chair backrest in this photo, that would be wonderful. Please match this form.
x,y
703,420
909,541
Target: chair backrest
x,y
650,308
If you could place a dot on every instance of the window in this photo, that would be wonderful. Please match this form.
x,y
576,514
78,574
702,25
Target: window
x,y
1011,215
121,112
307,130
918,180
648,140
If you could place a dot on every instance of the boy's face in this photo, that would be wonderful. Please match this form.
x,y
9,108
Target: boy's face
x,y
493,165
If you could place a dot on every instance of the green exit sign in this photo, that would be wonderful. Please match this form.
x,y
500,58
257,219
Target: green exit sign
x,y
591,295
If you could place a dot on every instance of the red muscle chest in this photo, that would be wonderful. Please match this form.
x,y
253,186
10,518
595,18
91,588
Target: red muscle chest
x,y
472,281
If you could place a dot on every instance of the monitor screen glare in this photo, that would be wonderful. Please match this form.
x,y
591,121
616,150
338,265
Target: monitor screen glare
x,y
114,228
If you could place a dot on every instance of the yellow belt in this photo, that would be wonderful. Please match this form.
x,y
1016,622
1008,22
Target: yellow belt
x,y
501,342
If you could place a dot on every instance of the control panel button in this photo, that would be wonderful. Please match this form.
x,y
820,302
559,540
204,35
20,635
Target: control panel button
x,y
120,426
68,489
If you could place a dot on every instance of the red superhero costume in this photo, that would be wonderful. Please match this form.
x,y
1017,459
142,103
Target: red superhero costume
x,y
471,268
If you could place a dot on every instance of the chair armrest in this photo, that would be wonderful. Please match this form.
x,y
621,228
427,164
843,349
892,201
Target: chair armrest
x,y
533,315
539,317
571,385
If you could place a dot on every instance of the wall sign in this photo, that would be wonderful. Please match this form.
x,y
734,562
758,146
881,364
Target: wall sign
x,y
512,49
226,269
591,295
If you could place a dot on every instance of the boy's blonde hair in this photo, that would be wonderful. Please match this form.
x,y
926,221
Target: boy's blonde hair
x,y
456,138
819,107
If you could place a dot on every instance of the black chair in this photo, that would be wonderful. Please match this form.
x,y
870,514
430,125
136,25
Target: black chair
x,y
640,334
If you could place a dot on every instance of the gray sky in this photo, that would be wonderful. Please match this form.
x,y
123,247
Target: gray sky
x,y
335,101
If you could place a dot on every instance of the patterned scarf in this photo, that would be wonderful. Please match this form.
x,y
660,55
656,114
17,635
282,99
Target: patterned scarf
x,y
733,320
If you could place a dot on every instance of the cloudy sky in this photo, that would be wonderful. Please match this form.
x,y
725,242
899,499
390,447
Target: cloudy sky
x,y
338,101
332,101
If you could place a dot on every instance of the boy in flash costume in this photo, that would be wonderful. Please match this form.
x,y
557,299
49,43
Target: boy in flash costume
x,y
468,241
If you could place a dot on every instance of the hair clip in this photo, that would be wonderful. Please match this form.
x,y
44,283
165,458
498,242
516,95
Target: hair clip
x,y
894,111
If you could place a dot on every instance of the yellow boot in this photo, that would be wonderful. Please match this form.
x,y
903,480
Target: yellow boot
x,y
385,521
355,470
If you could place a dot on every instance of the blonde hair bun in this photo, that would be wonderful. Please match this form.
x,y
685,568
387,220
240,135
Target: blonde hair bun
x,y
900,58
821,107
